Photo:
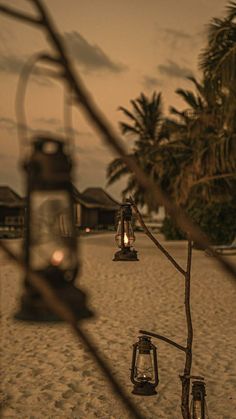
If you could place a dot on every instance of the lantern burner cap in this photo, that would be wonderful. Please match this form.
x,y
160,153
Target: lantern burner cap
x,y
198,389
144,389
129,255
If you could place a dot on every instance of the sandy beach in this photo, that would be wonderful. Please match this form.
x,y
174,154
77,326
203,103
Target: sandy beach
x,y
47,373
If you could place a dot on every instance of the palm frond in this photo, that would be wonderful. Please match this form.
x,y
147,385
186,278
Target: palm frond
x,y
128,129
115,170
190,98
231,10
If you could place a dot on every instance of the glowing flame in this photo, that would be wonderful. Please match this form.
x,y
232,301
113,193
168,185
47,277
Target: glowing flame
x,y
57,257
126,239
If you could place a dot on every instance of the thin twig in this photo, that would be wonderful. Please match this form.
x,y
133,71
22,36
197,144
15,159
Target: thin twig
x,y
155,241
19,15
65,313
171,342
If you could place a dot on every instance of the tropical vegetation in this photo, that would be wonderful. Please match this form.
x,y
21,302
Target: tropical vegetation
x,y
192,154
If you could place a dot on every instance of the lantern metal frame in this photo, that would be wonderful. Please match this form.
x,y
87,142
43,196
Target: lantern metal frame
x,y
144,387
198,395
50,172
127,253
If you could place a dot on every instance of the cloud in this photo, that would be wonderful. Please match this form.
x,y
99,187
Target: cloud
x,y
8,124
58,126
151,82
53,127
176,38
173,69
90,56
177,34
52,122
13,65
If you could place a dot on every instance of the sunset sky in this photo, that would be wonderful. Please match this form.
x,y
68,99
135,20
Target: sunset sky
x,y
120,48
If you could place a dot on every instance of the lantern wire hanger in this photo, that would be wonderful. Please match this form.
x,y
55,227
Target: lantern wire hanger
x,y
30,68
50,242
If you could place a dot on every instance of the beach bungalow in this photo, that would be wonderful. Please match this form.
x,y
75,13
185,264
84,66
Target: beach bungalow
x,y
12,210
94,208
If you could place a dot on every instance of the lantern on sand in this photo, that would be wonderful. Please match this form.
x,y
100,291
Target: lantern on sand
x,y
198,403
144,368
125,235
50,243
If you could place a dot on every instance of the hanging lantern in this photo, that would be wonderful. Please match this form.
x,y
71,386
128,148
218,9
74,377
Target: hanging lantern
x,y
50,245
144,368
125,235
198,403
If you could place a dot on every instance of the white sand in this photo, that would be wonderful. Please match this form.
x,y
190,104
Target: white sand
x,y
47,373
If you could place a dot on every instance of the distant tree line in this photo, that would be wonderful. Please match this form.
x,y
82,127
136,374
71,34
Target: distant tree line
x,y
192,153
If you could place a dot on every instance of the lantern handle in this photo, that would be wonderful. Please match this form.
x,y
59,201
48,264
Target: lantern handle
x,y
27,71
157,336
135,345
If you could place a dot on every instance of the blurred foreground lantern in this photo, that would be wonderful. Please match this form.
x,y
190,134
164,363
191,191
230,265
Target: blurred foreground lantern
x,y
50,245
144,368
125,235
198,403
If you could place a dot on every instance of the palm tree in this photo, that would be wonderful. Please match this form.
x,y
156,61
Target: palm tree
x,y
203,172
204,150
145,127
218,62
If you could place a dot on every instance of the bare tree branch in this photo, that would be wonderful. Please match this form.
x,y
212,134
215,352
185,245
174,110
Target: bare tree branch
x,y
155,241
19,15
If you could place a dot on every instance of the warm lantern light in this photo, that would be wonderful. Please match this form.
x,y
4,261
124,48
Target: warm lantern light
x,y
198,403
125,235
126,240
57,257
144,369
50,245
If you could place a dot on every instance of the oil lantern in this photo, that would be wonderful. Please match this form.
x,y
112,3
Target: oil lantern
x,y
198,403
125,235
50,243
144,368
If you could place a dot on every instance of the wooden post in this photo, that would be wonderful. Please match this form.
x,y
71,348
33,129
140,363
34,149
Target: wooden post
x,y
188,360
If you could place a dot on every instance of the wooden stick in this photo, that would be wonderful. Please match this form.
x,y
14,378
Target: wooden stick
x,y
188,360
185,378
155,241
